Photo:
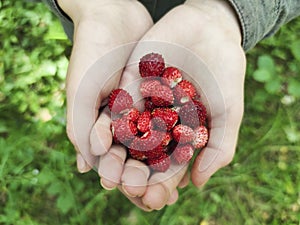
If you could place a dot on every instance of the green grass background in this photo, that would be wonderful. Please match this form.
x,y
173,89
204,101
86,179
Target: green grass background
x,y
39,183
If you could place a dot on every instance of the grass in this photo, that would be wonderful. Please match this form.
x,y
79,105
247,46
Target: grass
x,y
39,184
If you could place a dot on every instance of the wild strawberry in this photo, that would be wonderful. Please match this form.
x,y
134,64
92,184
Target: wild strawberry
x,y
149,141
119,101
144,122
137,154
201,111
167,138
180,96
193,114
160,164
133,115
163,96
151,65
183,153
200,137
184,91
171,77
149,106
148,87
123,130
182,134
164,118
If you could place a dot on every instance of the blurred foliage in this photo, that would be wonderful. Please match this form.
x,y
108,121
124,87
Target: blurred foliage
x,y
39,183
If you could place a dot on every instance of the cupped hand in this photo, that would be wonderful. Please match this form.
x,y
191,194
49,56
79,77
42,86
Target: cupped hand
x,y
210,30
100,26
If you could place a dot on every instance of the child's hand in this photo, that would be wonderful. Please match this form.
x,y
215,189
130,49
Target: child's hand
x,y
210,30
100,26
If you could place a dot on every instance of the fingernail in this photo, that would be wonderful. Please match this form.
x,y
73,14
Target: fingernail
x,y
126,192
105,187
81,164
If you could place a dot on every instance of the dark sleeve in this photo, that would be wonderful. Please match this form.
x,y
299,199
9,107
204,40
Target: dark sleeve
x,y
258,18
262,18
64,18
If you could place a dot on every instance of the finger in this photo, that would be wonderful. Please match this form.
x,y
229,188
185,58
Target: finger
x,y
161,186
135,178
173,198
220,148
101,136
185,180
135,200
111,166
82,165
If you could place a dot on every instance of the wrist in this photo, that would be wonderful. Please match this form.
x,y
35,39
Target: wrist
x,y
221,13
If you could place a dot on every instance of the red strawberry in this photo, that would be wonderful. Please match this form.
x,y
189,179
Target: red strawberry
x,y
144,122
201,111
137,154
193,114
149,106
183,153
182,134
148,87
119,101
166,139
164,118
149,141
123,130
180,96
151,65
171,77
163,96
184,91
133,115
160,164
200,137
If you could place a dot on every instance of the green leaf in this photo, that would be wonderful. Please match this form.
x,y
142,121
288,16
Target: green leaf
x,y
273,86
65,202
266,62
262,75
294,88
295,48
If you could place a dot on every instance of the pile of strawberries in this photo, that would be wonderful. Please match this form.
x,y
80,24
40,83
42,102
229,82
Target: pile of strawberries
x,y
173,123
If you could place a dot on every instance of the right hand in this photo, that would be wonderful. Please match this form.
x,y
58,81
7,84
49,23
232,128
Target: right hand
x,y
100,26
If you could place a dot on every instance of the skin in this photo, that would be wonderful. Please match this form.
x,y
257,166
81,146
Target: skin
x,y
211,31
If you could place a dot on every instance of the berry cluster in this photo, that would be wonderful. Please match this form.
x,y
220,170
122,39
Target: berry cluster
x,y
173,123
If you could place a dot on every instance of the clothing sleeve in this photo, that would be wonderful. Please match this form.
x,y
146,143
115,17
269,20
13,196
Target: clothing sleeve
x,y
64,18
260,19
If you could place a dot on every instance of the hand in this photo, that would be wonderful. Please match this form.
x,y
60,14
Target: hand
x,y
100,26
210,30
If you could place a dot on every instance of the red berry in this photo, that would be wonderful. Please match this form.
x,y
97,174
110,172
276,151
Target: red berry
x,y
160,164
200,137
151,65
148,87
137,154
171,77
163,96
133,115
123,130
164,118
119,101
144,122
193,114
184,91
149,106
167,138
182,134
201,111
183,153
